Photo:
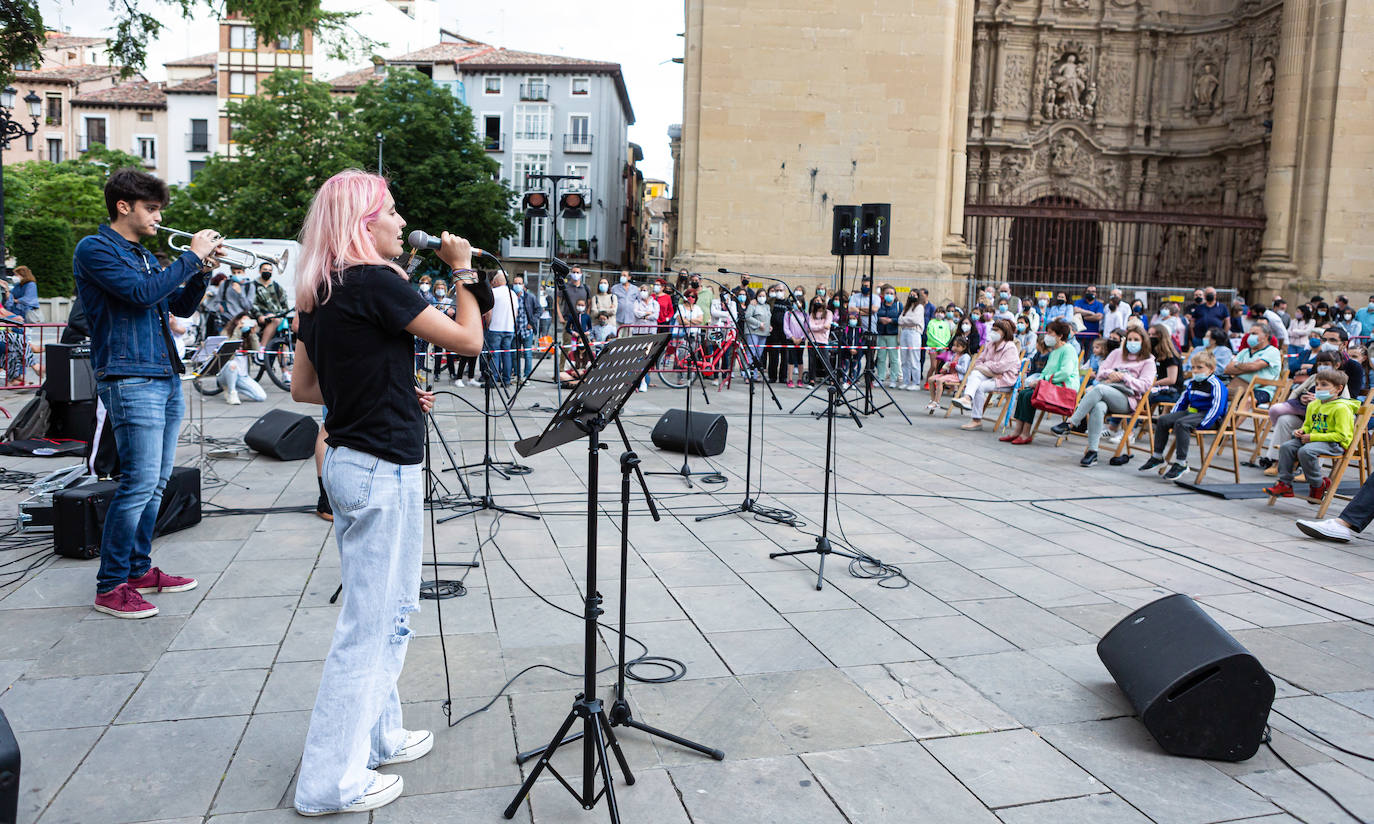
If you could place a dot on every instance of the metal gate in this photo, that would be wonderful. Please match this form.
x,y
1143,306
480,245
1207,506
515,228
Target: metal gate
x,y
1057,240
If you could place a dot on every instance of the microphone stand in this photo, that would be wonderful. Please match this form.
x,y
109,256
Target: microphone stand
x,y
685,471
754,374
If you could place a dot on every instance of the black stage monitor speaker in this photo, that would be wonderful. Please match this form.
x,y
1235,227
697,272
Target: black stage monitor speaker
x,y
1197,690
70,376
283,435
79,511
875,224
9,773
706,433
844,231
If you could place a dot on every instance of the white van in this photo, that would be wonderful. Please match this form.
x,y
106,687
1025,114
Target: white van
x,y
285,273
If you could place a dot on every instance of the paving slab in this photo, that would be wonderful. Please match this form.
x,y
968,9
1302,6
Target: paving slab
x,y
236,622
62,703
821,710
772,790
48,758
766,650
1089,809
172,697
895,784
264,763
1030,690
951,636
930,701
1011,768
107,647
854,636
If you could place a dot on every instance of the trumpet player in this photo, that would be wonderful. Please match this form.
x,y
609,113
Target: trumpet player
x,y
127,297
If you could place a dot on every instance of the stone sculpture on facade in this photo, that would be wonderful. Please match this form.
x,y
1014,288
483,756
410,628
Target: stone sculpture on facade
x,y
1069,92
1264,84
1206,84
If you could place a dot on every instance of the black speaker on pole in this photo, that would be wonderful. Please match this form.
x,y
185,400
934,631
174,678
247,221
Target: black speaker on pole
x,y
875,224
283,435
707,431
1197,690
9,773
844,231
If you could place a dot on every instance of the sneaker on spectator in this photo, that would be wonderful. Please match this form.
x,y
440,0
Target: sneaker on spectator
x,y
124,602
155,580
1111,437
1089,458
1151,464
964,402
384,790
231,396
1175,471
931,407
418,743
458,382
1315,492
1331,529
1061,428
1279,490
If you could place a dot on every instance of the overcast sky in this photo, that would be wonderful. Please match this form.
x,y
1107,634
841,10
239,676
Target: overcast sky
x,y
641,36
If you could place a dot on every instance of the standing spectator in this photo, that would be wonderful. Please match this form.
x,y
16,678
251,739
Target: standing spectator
x,y
818,322
426,287
665,305
996,371
1014,304
1116,313
1201,406
1168,317
625,294
794,331
603,327
939,334
757,320
1089,309
24,294
500,333
1278,327
1208,315
851,344
777,341
526,322
866,303
646,310
1326,432
574,290
910,329
1257,358
1125,375
1300,329
889,368
604,301
1366,318
705,296
1280,308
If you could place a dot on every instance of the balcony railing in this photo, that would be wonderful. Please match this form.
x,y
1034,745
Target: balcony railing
x,y
542,136
534,91
577,143
197,142
494,142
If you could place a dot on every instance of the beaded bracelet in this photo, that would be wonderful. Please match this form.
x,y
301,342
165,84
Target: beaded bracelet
x,y
464,275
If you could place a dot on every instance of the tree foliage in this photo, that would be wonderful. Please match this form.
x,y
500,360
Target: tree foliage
x,y
71,191
140,22
295,135
45,245
441,176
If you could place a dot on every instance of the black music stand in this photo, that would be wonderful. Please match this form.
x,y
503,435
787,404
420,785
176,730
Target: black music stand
x,y
591,406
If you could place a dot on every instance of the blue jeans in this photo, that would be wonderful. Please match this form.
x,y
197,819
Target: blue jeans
x,y
146,415
527,343
503,362
356,723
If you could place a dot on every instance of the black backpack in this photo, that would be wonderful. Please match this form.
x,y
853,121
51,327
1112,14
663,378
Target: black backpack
x,y
32,421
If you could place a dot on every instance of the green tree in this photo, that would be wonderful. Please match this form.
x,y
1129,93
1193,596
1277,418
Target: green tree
x,y
441,176
289,140
71,191
45,245
140,22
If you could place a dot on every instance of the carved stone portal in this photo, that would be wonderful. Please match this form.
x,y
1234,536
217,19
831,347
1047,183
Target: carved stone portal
x,y
1069,92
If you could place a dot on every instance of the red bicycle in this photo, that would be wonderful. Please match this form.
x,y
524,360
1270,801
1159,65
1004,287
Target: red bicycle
x,y
708,350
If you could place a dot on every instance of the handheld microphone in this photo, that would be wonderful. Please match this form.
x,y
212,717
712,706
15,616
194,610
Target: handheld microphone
x,y
420,239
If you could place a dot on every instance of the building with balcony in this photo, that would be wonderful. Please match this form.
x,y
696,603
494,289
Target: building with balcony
x,y
192,125
58,135
540,114
130,117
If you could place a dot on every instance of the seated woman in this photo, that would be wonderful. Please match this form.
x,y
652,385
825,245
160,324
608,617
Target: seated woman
x,y
1060,369
1169,379
999,363
1125,375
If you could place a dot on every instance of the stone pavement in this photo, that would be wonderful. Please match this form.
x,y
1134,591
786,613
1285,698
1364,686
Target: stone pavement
x,y
973,695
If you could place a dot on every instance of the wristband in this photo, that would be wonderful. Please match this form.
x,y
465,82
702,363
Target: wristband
x,y
468,276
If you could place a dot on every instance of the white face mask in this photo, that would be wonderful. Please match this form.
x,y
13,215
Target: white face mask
x,y
1051,340
964,327
995,336
643,293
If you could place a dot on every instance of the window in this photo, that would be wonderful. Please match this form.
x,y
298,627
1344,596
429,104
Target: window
x,y
55,149
199,138
95,132
243,37
491,132
196,166
28,142
532,122
54,110
532,231
491,85
572,235
147,149
581,85
534,88
582,170
290,42
525,164
24,66
145,117
243,83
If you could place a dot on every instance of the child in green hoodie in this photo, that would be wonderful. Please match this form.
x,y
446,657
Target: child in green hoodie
x,y
1327,431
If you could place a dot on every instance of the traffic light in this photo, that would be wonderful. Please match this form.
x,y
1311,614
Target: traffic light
x,y
571,204
535,204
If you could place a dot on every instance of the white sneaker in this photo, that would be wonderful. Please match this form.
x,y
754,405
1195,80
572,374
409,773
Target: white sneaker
x,y
1111,437
386,789
963,403
418,744
231,396
458,382
1329,530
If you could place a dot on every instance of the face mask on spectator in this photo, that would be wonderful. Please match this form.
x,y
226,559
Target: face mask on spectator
x,y
742,298
995,335
1321,313
1043,303
1200,377
796,293
1001,307
1314,342
576,276
889,298
519,288
1133,346
1051,340
624,278
602,287
1254,341
1349,317
1323,394
658,287
1328,346
965,327
581,308
939,315
643,293
834,304
853,321
1165,312
864,289
424,287
439,293
1020,327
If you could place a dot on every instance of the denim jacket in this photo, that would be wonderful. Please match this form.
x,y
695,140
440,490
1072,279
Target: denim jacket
x,y
127,297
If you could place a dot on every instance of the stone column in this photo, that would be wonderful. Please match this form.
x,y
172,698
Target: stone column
x,y
1275,264
1323,78
956,252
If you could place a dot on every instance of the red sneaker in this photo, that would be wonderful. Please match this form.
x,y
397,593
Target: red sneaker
x,y
124,602
1318,491
1279,490
155,580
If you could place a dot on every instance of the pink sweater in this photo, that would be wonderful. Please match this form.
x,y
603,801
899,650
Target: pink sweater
x,y
1139,374
1002,360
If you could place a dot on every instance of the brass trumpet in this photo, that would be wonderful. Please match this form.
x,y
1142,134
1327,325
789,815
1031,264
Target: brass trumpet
x,y
228,261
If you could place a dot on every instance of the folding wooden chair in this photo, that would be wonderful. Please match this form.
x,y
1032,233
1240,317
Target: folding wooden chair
x,y
1002,400
1083,375
959,391
1258,417
1357,453
1224,433
1142,416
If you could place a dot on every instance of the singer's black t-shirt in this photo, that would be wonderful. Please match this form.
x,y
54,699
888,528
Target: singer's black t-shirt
x,y
366,363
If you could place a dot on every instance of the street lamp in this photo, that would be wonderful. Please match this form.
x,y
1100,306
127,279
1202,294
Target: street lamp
x,y
380,137
9,130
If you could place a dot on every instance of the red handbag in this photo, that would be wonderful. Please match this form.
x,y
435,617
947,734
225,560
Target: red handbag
x,y
1054,400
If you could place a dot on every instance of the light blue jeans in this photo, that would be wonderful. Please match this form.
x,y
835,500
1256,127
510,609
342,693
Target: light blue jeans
x,y
248,389
356,723
146,416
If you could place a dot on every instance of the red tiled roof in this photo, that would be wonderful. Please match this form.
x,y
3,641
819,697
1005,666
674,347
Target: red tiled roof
x,y
199,85
196,60
351,81
139,94
512,59
67,74
66,41
441,53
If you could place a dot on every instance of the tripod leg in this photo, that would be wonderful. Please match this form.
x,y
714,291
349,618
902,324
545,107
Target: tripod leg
x,y
676,739
594,727
609,735
548,752
820,574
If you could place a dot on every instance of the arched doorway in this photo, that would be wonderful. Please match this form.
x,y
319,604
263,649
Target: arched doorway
x,y
1050,245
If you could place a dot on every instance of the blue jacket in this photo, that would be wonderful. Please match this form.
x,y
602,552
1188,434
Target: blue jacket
x,y
25,297
893,311
1212,403
127,297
